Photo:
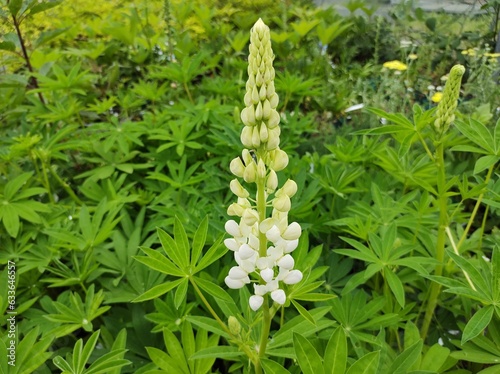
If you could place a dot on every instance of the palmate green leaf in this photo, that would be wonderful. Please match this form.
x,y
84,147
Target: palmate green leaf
x,y
272,367
158,290
495,272
181,292
335,358
405,360
199,239
164,361
479,321
182,243
174,349
10,219
435,358
212,289
208,324
477,132
367,364
108,362
157,261
303,312
475,355
396,286
308,358
188,343
169,245
221,352
81,356
216,251
485,162
482,284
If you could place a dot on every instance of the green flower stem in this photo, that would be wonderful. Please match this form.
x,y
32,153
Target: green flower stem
x,y
476,208
186,88
47,183
66,187
427,150
266,315
441,239
245,348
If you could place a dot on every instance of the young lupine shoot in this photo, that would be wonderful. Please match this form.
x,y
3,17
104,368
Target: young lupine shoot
x,y
261,244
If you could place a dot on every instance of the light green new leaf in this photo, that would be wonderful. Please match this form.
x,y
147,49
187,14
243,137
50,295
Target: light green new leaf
x,y
367,364
216,251
308,358
477,323
272,367
335,360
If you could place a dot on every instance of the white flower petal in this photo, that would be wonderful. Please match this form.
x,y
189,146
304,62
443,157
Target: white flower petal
x,y
232,228
291,245
293,277
253,241
237,272
255,302
286,262
235,283
246,252
273,234
260,289
279,296
267,274
273,285
292,232
231,244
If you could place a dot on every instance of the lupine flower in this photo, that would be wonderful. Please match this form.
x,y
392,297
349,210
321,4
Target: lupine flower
x,y
445,113
261,245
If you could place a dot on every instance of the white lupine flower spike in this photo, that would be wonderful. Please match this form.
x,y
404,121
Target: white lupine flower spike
x,y
261,244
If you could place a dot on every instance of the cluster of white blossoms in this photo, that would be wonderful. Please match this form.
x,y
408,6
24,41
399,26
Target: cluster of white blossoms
x,y
261,244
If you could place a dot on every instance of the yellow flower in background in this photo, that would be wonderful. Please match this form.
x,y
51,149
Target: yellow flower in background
x,y
470,52
395,65
412,56
436,98
494,55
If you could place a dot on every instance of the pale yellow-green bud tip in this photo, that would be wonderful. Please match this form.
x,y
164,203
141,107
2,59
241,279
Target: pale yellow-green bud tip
x,y
234,325
445,113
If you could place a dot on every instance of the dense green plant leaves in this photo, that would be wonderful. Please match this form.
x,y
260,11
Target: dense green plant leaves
x,y
365,365
272,367
335,357
479,321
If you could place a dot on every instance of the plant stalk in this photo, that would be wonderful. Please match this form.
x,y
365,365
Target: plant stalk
x,y
441,239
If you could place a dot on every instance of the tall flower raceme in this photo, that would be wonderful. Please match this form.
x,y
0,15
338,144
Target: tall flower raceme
x,y
261,244
445,113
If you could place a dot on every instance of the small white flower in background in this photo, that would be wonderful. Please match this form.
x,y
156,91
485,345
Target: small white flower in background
x,y
261,245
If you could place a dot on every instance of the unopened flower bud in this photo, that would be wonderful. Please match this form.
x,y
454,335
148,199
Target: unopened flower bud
x,y
280,160
237,168
238,189
289,188
250,173
445,113
246,136
247,157
263,133
255,95
250,216
235,210
272,181
274,119
248,116
234,325
274,100
266,110
273,140
282,203
261,169
258,112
